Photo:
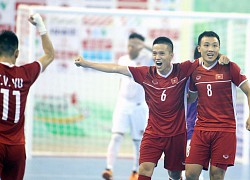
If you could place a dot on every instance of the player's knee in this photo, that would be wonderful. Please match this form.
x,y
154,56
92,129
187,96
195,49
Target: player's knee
x,y
174,175
217,173
191,175
146,169
117,137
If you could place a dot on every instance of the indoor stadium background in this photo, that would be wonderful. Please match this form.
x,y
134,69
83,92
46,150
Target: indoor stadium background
x,y
70,109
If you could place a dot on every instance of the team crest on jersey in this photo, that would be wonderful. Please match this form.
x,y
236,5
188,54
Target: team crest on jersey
x,y
154,82
198,78
225,156
174,80
219,76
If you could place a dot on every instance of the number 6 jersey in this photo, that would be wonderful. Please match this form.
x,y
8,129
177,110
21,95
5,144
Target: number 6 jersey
x,y
165,97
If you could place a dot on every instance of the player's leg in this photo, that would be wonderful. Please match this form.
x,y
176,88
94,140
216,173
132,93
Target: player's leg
x,y
150,152
174,175
138,120
14,166
198,155
146,170
135,167
217,173
183,172
193,171
175,154
113,149
223,150
188,146
120,125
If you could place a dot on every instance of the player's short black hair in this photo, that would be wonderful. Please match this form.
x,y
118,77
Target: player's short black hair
x,y
208,34
164,40
197,54
136,35
8,43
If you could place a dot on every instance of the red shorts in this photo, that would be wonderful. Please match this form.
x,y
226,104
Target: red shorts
x,y
218,148
12,161
174,149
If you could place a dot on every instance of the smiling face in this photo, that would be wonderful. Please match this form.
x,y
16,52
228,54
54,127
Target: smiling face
x,y
209,48
162,56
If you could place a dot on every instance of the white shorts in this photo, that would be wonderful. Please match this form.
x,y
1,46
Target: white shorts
x,y
131,117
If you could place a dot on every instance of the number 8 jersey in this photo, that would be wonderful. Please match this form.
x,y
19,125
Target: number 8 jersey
x,y
15,82
216,86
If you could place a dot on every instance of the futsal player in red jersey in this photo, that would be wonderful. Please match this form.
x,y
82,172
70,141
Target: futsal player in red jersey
x,y
15,82
165,94
214,137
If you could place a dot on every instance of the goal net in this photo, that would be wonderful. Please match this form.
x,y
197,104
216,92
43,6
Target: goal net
x,y
70,109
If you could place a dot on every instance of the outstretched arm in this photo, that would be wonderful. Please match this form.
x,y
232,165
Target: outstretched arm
x,y
48,49
245,87
104,67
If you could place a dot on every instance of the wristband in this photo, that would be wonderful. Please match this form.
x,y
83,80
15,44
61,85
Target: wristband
x,y
39,24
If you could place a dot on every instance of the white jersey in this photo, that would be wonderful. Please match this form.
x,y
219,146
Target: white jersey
x,y
131,111
130,91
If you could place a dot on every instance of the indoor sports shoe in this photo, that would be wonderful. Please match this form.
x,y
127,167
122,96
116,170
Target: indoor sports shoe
x,y
107,174
134,176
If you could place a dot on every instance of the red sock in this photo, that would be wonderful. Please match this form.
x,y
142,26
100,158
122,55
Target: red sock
x,y
141,177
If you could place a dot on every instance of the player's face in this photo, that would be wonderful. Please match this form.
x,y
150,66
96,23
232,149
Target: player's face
x,y
209,49
162,57
134,47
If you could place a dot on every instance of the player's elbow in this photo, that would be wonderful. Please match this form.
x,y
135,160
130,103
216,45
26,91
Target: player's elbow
x,y
50,55
46,60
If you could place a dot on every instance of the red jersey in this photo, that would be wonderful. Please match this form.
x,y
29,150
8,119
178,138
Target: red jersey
x,y
165,97
15,83
216,88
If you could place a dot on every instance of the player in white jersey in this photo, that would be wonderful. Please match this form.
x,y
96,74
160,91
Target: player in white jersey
x,y
131,111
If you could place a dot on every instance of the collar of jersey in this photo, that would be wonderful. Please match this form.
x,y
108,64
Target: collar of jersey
x,y
210,67
7,64
165,76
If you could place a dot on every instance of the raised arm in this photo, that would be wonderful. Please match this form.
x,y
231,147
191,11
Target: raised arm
x,y
48,49
104,67
245,87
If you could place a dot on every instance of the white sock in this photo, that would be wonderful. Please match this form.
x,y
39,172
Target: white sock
x,y
113,148
183,175
136,146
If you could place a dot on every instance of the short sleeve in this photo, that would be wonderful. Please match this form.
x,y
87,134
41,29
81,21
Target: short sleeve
x,y
33,70
237,77
138,73
189,66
